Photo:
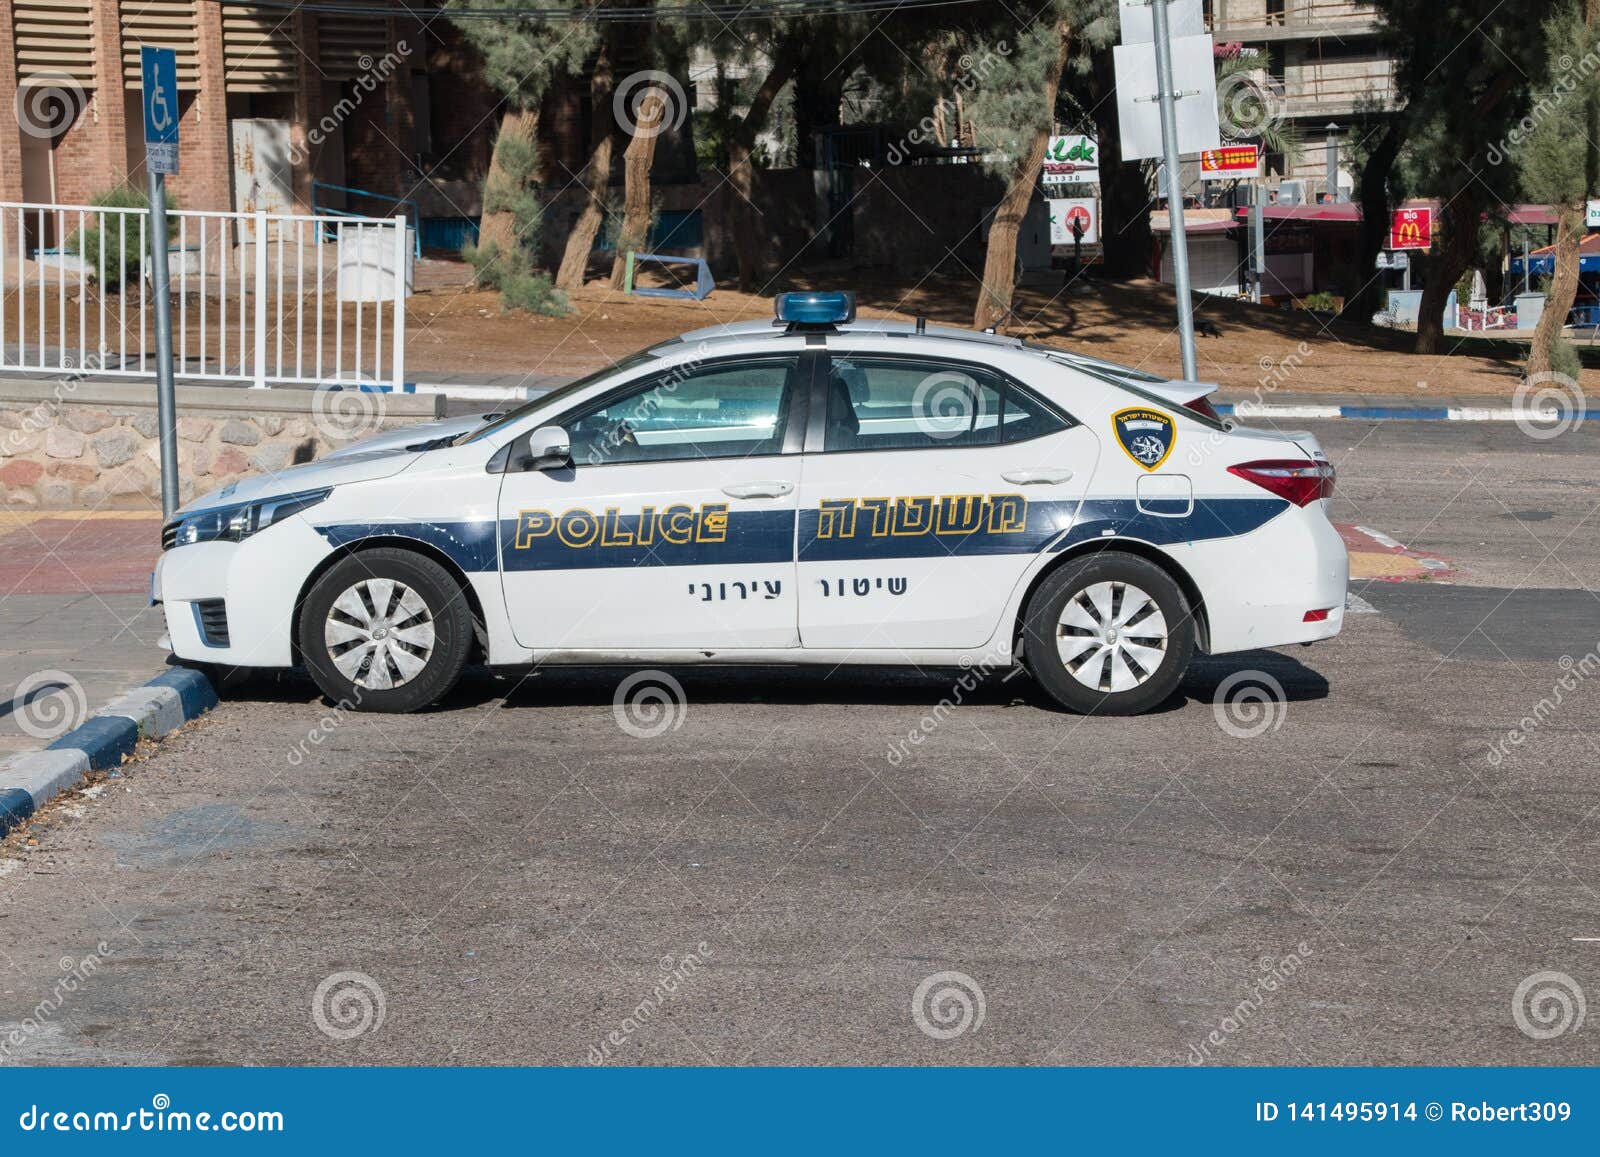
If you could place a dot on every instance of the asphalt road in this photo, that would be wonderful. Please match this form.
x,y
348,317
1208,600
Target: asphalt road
x,y
1347,876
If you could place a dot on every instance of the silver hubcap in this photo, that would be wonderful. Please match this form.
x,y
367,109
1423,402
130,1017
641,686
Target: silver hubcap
x,y
1112,636
380,634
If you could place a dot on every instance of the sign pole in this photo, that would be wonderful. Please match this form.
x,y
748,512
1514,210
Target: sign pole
x,y
158,78
1180,236
1258,234
166,405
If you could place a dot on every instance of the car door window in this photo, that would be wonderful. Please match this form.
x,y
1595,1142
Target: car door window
x,y
733,410
1024,417
908,404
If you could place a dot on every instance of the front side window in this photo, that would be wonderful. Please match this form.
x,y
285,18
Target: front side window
x,y
909,404
730,410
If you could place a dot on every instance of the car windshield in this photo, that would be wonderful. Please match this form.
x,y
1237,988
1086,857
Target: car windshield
x,y
554,398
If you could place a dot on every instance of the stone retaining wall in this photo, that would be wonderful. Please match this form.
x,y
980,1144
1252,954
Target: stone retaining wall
x,y
70,445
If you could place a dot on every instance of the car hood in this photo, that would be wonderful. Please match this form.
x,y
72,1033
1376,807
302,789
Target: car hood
x,y
399,439
329,471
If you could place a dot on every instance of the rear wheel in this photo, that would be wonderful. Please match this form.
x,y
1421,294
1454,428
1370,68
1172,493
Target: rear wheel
x,y
386,630
1110,634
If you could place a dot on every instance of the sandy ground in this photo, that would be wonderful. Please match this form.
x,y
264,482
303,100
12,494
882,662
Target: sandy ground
x,y
452,328
1259,348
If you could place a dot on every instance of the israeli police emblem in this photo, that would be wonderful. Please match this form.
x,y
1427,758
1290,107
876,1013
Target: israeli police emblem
x,y
1145,435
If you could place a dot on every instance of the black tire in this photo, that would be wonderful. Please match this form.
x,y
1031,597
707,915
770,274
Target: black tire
x,y
391,632
1092,685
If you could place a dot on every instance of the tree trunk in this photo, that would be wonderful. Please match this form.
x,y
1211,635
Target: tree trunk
x,y
1570,230
1375,219
596,177
498,227
1460,243
1000,262
741,173
636,162
1563,288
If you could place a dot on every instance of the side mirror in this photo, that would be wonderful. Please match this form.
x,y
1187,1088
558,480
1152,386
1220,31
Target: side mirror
x,y
549,448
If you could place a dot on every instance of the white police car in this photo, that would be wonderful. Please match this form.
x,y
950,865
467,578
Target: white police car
x,y
815,491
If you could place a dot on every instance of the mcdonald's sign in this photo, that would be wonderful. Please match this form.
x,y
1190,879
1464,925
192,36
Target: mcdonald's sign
x,y
1411,229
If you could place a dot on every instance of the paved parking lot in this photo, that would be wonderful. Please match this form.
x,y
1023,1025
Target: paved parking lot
x,y
782,874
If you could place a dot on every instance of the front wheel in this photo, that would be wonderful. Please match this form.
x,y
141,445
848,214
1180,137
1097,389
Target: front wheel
x,y
386,630
1109,634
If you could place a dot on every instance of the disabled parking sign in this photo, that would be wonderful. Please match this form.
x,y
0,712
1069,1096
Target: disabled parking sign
x,y
160,77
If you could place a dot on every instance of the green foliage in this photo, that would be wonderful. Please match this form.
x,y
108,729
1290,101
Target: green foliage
x,y
513,275
122,240
1564,358
1554,155
1323,302
515,190
1007,104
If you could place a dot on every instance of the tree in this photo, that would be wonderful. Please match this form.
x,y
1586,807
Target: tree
x,y
1462,106
521,58
1561,165
595,176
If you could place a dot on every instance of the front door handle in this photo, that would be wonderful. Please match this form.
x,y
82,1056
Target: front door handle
x,y
758,489
1040,476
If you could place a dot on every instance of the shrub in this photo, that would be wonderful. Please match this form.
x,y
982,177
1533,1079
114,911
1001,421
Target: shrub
x,y
1323,302
122,243
513,275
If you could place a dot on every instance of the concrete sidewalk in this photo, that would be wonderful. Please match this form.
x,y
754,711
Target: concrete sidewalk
x,y
75,617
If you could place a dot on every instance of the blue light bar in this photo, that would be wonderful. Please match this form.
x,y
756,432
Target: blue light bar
x,y
835,308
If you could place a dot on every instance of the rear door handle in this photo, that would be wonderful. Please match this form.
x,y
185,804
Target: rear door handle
x,y
1040,476
758,489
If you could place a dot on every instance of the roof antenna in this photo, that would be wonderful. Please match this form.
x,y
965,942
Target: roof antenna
x,y
922,325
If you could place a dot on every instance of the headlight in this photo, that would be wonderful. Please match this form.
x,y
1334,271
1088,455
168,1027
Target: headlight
x,y
239,522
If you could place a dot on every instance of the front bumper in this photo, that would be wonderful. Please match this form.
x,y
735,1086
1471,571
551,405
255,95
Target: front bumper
x,y
258,582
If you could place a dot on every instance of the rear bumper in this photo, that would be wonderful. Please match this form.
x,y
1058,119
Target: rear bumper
x,y
1259,587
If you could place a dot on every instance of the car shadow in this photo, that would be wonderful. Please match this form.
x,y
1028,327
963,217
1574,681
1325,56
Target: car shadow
x,y
1272,673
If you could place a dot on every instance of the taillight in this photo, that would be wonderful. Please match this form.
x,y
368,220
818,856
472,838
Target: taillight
x,y
1202,406
1299,481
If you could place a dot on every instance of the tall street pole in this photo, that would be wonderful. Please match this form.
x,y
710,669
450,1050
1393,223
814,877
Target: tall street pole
x,y
166,408
1180,236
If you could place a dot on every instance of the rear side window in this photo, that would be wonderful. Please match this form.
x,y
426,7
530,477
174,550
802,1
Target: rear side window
x,y
888,403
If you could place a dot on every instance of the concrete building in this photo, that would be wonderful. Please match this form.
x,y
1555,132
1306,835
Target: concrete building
x,y
1322,63
269,102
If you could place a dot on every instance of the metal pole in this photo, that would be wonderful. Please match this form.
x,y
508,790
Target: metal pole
x,y
166,407
1258,233
1180,237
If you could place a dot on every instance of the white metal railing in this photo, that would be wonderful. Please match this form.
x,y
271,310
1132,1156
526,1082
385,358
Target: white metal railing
x,y
263,298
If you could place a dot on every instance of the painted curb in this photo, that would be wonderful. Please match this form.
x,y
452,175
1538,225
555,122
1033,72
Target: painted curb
x,y
1407,413
30,779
